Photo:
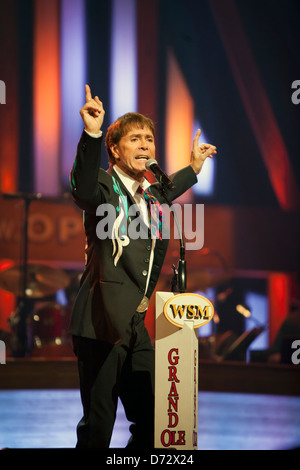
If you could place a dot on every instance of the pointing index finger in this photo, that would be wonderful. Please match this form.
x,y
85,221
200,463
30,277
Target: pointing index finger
x,y
196,138
88,94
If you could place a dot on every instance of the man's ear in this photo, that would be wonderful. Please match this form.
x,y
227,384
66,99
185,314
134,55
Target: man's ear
x,y
115,151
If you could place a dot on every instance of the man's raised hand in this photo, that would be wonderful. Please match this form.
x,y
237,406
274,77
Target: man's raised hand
x,y
200,153
92,112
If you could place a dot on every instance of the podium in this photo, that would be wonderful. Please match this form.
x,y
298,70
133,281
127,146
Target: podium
x,y
178,318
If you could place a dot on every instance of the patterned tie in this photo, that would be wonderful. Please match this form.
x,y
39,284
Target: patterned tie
x,y
155,212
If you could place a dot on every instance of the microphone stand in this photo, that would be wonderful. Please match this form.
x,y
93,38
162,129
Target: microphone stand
x,y
179,276
19,344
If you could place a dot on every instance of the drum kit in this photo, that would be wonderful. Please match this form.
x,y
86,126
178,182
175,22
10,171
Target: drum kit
x,y
38,323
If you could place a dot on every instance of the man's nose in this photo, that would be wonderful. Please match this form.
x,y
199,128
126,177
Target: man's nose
x,y
144,144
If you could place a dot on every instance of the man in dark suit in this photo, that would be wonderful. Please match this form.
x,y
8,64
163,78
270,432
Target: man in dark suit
x,y
114,350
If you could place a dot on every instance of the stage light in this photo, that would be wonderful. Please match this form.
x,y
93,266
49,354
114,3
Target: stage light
x,y
179,118
72,79
46,94
243,310
123,58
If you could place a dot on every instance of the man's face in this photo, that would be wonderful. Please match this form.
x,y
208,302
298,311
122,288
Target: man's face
x,y
133,151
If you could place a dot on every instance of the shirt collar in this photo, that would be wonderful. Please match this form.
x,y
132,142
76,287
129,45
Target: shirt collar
x,y
130,183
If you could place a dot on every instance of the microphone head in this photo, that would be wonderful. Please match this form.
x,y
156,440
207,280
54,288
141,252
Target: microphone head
x,y
149,163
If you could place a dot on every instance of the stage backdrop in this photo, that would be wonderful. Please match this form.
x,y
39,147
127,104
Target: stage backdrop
x,y
238,242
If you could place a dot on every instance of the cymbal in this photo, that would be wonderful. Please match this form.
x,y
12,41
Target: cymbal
x,y
42,281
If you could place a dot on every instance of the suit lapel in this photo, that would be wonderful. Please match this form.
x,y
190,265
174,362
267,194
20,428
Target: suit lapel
x,y
123,193
120,184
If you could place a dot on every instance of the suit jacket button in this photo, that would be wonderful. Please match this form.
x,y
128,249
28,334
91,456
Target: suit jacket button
x,y
145,272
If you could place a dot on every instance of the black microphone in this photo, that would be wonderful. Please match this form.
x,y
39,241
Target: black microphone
x,y
162,178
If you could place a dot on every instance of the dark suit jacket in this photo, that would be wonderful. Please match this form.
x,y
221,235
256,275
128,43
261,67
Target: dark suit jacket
x,y
112,287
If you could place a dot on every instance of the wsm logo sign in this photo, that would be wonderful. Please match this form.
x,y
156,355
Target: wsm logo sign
x,y
2,92
2,352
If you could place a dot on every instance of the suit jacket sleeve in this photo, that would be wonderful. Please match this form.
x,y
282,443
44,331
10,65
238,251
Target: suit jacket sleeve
x,y
183,180
84,174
